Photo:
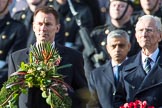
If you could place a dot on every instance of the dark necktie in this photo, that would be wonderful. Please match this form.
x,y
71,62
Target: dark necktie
x,y
116,75
148,65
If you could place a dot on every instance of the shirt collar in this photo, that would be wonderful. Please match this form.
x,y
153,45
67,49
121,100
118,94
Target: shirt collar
x,y
53,44
153,56
114,64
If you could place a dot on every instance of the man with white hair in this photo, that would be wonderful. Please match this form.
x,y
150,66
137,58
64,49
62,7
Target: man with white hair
x,y
149,7
142,74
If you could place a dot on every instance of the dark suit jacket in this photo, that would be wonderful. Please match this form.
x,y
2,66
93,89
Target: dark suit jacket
x,y
138,85
75,77
102,87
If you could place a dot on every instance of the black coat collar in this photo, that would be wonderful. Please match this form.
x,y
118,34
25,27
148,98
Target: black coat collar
x,y
136,77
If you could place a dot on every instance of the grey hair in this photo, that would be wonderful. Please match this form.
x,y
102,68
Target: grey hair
x,y
155,18
118,33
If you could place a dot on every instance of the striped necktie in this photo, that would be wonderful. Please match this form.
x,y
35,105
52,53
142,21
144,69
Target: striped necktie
x,y
147,65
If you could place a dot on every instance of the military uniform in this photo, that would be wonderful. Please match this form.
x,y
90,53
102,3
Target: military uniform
x,y
99,36
26,17
72,38
138,14
104,4
97,12
12,37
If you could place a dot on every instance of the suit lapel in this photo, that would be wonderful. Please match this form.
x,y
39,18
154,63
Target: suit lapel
x,y
108,72
154,77
26,56
60,49
134,72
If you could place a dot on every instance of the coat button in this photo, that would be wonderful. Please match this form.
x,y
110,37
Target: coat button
x,y
3,36
8,23
1,52
50,5
68,19
23,16
103,43
67,34
107,31
103,9
129,32
133,87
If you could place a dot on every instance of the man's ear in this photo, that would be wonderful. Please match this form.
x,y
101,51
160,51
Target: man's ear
x,y
160,37
129,46
33,26
58,28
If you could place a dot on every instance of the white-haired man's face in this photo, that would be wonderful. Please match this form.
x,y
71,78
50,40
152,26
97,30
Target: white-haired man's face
x,y
147,34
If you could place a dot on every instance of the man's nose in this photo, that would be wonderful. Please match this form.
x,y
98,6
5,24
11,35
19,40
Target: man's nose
x,y
43,27
117,7
117,48
144,32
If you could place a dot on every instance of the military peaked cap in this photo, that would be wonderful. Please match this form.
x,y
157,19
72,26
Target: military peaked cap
x,y
127,1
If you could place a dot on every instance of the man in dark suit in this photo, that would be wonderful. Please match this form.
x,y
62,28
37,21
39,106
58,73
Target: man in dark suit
x,y
103,81
46,25
142,74
26,17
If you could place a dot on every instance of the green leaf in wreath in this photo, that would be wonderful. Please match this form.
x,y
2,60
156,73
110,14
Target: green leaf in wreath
x,y
39,68
22,67
44,94
49,99
24,91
